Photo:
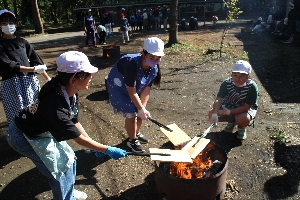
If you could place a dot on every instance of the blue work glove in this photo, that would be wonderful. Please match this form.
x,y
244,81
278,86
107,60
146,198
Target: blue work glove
x,y
113,152
99,154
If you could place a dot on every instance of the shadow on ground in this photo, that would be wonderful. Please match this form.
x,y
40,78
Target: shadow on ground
x,y
280,77
286,185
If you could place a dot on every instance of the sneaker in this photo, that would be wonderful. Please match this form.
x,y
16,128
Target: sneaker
x,y
79,195
229,128
142,138
104,43
135,145
242,133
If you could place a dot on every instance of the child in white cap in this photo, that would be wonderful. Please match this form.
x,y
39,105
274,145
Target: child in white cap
x,y
129,83
19,63
236,100
41,130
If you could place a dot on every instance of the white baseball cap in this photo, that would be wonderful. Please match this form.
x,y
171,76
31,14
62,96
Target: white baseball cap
x,y
154,46
74,61
6,11
242,66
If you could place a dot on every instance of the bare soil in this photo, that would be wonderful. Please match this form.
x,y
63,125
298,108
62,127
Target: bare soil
x,y
264,166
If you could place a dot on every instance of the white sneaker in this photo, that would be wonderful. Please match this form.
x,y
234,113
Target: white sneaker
x,y
79,195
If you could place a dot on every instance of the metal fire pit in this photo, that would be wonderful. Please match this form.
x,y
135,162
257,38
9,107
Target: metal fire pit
x,y
111,51
170,187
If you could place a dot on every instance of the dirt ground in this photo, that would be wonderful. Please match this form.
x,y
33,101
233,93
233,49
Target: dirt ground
x,y
264,166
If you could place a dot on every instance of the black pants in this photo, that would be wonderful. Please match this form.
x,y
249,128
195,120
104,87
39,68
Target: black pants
x,y
102,37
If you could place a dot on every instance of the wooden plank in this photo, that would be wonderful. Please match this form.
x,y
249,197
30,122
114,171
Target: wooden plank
x,y
177,136
195,146
176,155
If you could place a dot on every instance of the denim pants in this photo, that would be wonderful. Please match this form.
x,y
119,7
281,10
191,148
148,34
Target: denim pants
x,y
63,188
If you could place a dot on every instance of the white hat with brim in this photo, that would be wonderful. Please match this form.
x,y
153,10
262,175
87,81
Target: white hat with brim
x,y
242,66
73,62
154,46
6,11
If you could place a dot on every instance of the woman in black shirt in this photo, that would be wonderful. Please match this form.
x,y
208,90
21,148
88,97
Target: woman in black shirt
x,y
40,131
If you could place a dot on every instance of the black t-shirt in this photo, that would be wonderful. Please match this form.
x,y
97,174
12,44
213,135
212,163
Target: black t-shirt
x,y
10,64
52,114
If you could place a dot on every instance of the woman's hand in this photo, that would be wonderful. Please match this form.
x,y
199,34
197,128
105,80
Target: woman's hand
x,y
114,152
143,113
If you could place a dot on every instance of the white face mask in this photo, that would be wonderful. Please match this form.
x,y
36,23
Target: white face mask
x,y
9,29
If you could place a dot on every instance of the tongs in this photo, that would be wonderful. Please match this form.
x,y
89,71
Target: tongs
x,y
204,134
147,154
160,124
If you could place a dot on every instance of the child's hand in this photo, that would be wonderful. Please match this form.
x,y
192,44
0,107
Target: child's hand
x,y
224,111
214,118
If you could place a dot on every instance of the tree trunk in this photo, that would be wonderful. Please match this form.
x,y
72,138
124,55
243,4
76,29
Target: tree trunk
x,y
15,8
5,3
173,30
38,25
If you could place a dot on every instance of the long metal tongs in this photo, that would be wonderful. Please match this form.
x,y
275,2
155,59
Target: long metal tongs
x,y
204,134
160,125
147,154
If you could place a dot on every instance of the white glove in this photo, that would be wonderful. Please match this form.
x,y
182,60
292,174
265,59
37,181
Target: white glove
x,y
40,68
143,113
214,118
224,111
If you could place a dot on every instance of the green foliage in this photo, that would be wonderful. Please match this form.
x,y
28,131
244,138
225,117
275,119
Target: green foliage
x,y
278,136
245,55
232,10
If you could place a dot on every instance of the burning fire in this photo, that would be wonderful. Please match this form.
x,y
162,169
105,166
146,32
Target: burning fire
x,y
110,47
193,170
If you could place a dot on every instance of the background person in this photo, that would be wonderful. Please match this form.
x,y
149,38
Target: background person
x,y
129,83
19,63
236,100
41,130
101,32
124,26
107,24
90,28
133,21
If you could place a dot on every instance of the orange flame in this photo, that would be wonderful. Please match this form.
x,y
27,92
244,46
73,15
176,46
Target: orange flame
x,y
193,170
110,47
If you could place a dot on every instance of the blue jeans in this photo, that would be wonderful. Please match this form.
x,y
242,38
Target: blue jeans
x,y
63,188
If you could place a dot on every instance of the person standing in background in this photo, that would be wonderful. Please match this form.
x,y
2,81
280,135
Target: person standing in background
x,y
164,14
111,20
156,19
145,20
139,20
124,26
90,28
19,62
107,24
133,21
